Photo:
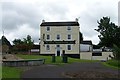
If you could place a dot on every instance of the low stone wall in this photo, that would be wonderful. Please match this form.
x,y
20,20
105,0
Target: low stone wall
x,y
29,62
88,56
105,56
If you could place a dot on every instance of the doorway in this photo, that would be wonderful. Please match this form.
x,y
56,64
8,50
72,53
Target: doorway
x,y
58,52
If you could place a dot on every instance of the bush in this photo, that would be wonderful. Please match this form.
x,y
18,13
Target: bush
x,y
116,52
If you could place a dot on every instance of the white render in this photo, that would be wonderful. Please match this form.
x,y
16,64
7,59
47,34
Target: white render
x,y
63,32
88,56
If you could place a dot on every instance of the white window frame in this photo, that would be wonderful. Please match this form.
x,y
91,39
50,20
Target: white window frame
x,y
47,28
69,28
67,47
70,36
57,37
47,37
57,45
47,47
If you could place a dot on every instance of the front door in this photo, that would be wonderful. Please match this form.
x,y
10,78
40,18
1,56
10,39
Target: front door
x,y
58,50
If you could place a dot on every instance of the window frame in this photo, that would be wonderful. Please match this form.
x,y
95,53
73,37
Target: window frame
x,y
48,38
57,37
69,28
69,47
69,35
48,28
47,47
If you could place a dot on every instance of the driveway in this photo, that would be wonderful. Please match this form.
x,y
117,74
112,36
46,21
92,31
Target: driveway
x,y
68,70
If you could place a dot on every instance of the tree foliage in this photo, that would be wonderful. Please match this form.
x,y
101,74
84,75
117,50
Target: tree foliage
x,y
109,32
116,52
23,45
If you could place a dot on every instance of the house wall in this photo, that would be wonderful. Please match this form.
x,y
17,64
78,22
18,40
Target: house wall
x,y
88,56
62,30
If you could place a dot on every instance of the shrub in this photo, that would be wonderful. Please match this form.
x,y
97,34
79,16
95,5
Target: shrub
x,y
116,52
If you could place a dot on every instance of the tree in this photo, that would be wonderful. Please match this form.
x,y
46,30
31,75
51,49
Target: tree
x,y
109,32
17,41
81,37
23,45
116,52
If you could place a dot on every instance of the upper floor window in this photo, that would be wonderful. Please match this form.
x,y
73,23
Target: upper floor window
x,y
69,28
68,47
47,47
43,36
58,36
48,37
48,28
69,36
57,45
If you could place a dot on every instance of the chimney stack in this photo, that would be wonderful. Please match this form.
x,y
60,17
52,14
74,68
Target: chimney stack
x,y
43,21
76,19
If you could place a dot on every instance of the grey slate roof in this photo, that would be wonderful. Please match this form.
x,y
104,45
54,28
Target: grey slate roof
x,y
69,23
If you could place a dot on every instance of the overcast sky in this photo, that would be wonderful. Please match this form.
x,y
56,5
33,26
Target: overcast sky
x,y
23,17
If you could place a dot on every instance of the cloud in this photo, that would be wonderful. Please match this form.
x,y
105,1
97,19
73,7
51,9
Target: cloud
x,y
22,32
23,17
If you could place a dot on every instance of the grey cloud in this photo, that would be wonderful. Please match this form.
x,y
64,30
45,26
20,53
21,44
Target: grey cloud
x,y
16,14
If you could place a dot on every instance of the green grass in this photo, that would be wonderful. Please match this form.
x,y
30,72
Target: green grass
x,y
48,59
113,64
0,71
11,72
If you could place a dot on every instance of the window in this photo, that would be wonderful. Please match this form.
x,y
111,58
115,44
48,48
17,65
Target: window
x,y
57,45
58,36
48,37
97,54
69,36
48,28
68,47
47,47
43,36
68,28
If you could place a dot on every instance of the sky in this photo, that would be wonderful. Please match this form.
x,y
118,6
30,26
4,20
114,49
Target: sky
x,y
23,17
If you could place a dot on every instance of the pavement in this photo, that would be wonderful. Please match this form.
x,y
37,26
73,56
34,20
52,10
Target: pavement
x,y
54,71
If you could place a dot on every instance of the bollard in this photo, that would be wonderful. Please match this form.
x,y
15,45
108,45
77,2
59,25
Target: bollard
x,y
65,59
53,58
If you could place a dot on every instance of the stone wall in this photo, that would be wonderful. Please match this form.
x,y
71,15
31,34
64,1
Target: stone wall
x,y
88,56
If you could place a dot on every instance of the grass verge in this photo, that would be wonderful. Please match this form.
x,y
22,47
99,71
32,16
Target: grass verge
x,y
112,64
11,72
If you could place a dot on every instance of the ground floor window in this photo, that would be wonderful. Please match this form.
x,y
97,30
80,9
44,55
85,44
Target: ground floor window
x,y
68,47
47,47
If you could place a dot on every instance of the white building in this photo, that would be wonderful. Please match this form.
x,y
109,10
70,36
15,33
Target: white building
x,y
60,37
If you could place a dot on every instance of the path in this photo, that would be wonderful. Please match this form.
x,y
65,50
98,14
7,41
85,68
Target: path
x,y
53,71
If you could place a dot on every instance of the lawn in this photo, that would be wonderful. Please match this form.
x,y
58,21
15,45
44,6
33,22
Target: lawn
x,y
113,64
0,71
11,72
48,59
